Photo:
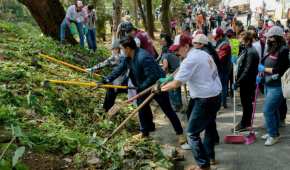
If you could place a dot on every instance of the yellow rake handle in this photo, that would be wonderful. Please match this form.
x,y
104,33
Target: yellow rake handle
x,y
87,84
66,64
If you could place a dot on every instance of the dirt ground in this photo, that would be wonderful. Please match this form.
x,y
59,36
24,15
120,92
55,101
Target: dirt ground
x,y
229,156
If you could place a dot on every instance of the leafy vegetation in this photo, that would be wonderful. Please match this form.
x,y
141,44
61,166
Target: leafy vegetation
x,y
66,121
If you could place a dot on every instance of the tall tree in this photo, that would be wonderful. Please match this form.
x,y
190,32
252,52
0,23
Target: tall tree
x,y
48,14
149,18
165,20
135,13
101,18
117,11
142,13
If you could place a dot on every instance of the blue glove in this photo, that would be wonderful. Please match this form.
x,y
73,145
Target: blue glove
x,y
235,86
90,70
258,79
261,68
234,59
105,80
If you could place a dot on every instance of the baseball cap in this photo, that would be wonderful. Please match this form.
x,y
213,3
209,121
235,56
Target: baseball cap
x,y
217,32
275,31
180,40
200,38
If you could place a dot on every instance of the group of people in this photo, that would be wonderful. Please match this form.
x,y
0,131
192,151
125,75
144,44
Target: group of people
x,y
214,61
84,18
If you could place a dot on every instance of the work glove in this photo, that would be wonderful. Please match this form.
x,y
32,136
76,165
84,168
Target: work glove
x,y
258,79
105,80
166,79
234,86
261,68
234,59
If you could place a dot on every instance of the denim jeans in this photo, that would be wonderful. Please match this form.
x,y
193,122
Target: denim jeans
x,y
273,100
64,27
175,98
146,117
203,117
91,39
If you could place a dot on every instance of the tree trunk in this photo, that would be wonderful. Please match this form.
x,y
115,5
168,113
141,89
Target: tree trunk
x,y
165,21
48,15
117,11
142,14
101,18
135,14
150,19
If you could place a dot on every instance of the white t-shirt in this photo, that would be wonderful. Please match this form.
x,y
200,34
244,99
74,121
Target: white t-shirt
x,y
200,72
73,15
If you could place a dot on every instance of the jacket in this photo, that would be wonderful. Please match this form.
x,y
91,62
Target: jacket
x,y
143,70
247,67
279,66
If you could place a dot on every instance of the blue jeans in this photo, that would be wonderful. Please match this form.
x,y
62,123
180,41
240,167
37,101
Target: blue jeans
x,y
203,117
224,80
64,27
91,39
273,100
175,98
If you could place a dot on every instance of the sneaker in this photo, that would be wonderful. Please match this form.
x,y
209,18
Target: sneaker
x,y
181,139
271,141
185,146
265,136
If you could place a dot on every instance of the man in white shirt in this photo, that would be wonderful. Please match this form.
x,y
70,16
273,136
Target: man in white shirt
x,y
77,14
200,73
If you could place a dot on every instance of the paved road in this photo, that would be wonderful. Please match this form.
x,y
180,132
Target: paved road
x,y
235,157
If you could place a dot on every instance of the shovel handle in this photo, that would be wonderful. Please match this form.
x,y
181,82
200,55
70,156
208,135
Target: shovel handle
x,y
66,64
147,100
87,84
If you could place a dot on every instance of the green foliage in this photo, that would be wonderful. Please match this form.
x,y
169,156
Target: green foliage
x,y
62,120
18,154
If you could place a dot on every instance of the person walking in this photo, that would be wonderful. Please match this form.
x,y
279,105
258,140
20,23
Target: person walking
x,y
75,14
246,78
199,71
273,66
145,72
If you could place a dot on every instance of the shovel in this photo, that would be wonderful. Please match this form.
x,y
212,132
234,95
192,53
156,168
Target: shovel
x,y
251,137
85,84
66,64
234,138
147,100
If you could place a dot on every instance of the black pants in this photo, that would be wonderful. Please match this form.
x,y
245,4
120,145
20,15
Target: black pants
x,y
247,94
110,97
283,109
146,116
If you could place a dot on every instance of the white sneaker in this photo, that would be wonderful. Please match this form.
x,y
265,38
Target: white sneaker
x,y
185,146
265,136
271,141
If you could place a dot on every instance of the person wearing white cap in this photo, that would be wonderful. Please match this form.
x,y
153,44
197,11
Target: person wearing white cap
x,y
273,66
75,14
200,73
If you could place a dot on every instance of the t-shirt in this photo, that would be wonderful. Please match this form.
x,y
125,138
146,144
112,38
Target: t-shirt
x,y
258,47
173,61
200,72
73,15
